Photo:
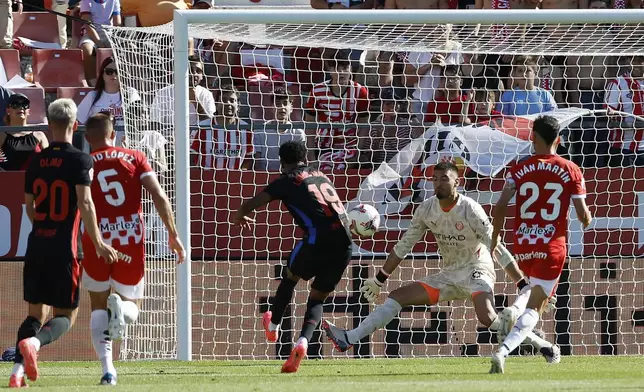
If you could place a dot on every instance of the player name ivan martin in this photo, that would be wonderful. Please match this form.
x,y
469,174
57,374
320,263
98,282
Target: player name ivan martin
x,y
543,166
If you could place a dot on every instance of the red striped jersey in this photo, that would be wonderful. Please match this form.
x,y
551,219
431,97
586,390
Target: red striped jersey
x,y
626,94
222,148
329,108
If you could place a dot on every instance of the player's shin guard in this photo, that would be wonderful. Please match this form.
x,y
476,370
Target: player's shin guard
x,y
100,340
526,322
29,328
130,311
380,317
281,300
53,329
312,318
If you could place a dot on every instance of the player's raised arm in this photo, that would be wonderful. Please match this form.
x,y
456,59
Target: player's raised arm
x,y
417,229
162,204
88,214
241,219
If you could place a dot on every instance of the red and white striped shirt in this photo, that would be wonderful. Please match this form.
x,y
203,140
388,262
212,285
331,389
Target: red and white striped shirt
x,y
329,108
626,94
222,148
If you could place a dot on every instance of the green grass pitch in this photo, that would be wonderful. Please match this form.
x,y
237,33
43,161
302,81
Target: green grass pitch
x,y
580,373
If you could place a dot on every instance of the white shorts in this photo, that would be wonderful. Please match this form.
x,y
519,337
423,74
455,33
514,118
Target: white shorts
x,y
127,291
548,286
105,42
460,284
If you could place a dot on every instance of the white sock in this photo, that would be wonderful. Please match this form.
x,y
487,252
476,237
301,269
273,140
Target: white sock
x,y
18,370
535,341
102,345
521,302
303,341
35,342
130,311
526,322
377,319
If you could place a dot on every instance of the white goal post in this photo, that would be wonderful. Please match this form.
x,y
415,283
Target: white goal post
x,y
384,28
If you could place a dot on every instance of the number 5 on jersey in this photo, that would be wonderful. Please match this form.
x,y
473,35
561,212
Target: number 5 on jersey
x,y
114,193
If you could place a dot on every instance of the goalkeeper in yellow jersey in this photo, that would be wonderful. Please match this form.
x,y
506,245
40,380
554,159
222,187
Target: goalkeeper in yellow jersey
x,y
464,234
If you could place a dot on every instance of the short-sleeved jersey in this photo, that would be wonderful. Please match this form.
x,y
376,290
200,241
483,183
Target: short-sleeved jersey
x,y
220,148
463,233
310,197
330,108
545,184
51,178
117,193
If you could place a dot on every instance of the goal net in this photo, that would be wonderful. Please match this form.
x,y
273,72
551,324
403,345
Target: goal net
x,y
380,97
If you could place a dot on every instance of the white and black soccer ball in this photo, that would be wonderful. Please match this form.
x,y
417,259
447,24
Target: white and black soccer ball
x,y
365,220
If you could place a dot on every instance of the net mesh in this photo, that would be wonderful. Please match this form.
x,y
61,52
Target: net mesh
x,y
418,94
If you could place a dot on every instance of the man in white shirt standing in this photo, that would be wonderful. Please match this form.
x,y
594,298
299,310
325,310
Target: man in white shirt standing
x,y
464,235
202,102
268,141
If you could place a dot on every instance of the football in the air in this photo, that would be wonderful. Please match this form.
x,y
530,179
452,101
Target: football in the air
x,y
365,220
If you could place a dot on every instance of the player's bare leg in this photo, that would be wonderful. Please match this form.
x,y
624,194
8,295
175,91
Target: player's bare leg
x,y
412,294
100,338
272,318
525,323
36,316
312,318
50,332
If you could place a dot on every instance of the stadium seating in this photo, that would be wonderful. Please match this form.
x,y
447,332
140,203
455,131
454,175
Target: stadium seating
x,y
37,110
77,94
101,55
11,62
58,68
38,26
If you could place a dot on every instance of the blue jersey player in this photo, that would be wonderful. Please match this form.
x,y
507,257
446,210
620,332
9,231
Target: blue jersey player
x,y
322,255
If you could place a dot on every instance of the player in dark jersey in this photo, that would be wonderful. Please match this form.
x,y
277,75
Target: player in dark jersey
x,y
323,253
57,195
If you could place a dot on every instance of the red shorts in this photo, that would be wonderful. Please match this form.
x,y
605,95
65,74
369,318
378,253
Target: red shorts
x,y
541,262
128,270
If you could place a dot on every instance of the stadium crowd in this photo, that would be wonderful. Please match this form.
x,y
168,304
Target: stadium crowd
x,y
247,100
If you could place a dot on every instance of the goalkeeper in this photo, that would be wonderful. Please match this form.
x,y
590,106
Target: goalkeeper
x,y
464,234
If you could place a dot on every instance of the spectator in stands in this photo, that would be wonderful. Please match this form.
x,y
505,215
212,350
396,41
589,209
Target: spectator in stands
x,y
16,149
483,105
6,22
390,132
625,94
5,94
225,142
412,4
551,77
100,13
107,97
423,70
450,105
479,73
202,102
525,97
268,140
334,104
203,4
341,4
152,12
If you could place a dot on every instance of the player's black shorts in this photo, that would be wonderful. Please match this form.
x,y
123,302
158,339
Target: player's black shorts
x,y
324,259
52,279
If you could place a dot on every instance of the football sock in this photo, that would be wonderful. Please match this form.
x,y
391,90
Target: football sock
x,y
102,344
130,311
18,370
521,301
535,341
526,322
380,317
312,318
52,330
281,300
29,328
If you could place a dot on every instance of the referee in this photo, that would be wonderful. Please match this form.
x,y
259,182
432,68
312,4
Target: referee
x,y
57,195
